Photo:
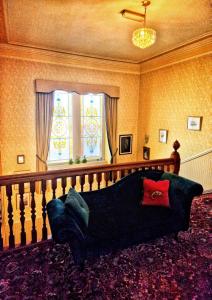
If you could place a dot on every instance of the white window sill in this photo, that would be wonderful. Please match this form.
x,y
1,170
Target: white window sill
x,y
63,166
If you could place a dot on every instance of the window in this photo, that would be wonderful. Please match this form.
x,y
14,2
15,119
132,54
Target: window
x,y
78,127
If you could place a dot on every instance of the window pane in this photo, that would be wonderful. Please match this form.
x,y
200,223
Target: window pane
x,y
91,126
92,147
62,104
59,149
91,105
61,143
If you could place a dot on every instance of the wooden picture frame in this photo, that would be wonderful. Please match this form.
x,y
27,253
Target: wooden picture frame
x,y
163,135
125,144
194,123
146,153
21,159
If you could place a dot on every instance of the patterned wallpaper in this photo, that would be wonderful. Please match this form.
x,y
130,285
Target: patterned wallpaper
x,y
168,96
17,103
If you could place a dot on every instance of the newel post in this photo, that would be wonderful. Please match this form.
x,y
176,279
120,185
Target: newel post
x,y
176,156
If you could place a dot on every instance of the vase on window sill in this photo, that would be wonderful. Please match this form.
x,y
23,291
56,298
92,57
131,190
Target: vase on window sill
x,y
84,160
77,160
71,161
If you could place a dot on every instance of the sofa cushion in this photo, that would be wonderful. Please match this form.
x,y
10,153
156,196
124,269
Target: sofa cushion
x,y
156,192
75,203
62,226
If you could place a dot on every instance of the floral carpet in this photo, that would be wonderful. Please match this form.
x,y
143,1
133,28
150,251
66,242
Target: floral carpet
x,y
161,269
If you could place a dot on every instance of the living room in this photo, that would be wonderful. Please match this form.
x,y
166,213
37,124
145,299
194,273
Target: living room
x,y
160,88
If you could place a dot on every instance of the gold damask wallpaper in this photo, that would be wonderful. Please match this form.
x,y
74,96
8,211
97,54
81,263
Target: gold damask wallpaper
x,y
168,96
17,104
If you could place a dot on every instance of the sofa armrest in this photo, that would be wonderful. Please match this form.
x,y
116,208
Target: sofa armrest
x,y
182,193
63,226
188,187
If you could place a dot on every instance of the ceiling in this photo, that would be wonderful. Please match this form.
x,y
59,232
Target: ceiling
x,y
95,28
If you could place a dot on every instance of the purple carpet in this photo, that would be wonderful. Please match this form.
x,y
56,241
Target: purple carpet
x,y
161,269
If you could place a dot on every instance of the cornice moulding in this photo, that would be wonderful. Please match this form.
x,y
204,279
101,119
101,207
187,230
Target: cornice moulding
x,y
193,50
200,47
64,59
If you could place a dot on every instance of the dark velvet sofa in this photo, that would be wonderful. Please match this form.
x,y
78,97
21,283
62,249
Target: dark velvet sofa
x,y
116,217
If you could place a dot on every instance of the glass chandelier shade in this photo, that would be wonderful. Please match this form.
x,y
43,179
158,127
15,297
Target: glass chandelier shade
x,y
144,37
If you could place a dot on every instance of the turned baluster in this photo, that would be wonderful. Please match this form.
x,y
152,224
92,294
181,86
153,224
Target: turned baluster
x,y
90,181
54,187
176,156
82,182
10,216
73,181
114,176
106,178
64,185
22,214
33,212
122,173
1,239
44,229
99,179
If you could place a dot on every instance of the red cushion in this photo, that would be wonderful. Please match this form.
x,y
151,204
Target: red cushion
x,y
156,192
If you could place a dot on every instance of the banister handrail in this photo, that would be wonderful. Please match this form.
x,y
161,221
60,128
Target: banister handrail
x,y
54,174
195,156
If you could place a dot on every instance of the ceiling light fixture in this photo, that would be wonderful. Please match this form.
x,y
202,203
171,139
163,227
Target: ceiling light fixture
x,y
142,37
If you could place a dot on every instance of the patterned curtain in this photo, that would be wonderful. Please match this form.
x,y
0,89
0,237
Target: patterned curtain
x,y
111,125
44,117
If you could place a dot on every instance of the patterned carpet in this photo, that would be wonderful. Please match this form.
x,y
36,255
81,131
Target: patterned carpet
x,y
161,269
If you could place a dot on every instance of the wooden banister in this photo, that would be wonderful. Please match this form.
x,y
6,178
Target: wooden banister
x,y
54,174
57,181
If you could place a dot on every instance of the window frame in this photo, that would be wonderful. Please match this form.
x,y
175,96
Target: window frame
x,y
76,122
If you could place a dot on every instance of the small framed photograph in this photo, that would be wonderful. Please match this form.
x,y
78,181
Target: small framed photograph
x,y
20,159
194,123
146,153
26,198
125,144
163,135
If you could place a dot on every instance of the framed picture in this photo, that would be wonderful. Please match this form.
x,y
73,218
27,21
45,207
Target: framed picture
x,y
194,123
163,134
125,144
20,159
146,153
26,198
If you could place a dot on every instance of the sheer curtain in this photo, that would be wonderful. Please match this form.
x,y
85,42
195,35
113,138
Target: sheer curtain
x,y
44,116
111,125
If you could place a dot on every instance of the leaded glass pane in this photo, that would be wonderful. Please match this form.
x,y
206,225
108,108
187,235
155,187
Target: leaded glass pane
x,y
59,149
91,147
61,143
91,105
91,125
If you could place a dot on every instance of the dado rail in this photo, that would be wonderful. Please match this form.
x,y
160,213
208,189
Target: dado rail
x,y
24,219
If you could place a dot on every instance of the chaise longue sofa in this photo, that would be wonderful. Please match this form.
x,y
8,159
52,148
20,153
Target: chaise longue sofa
x,y
117,216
